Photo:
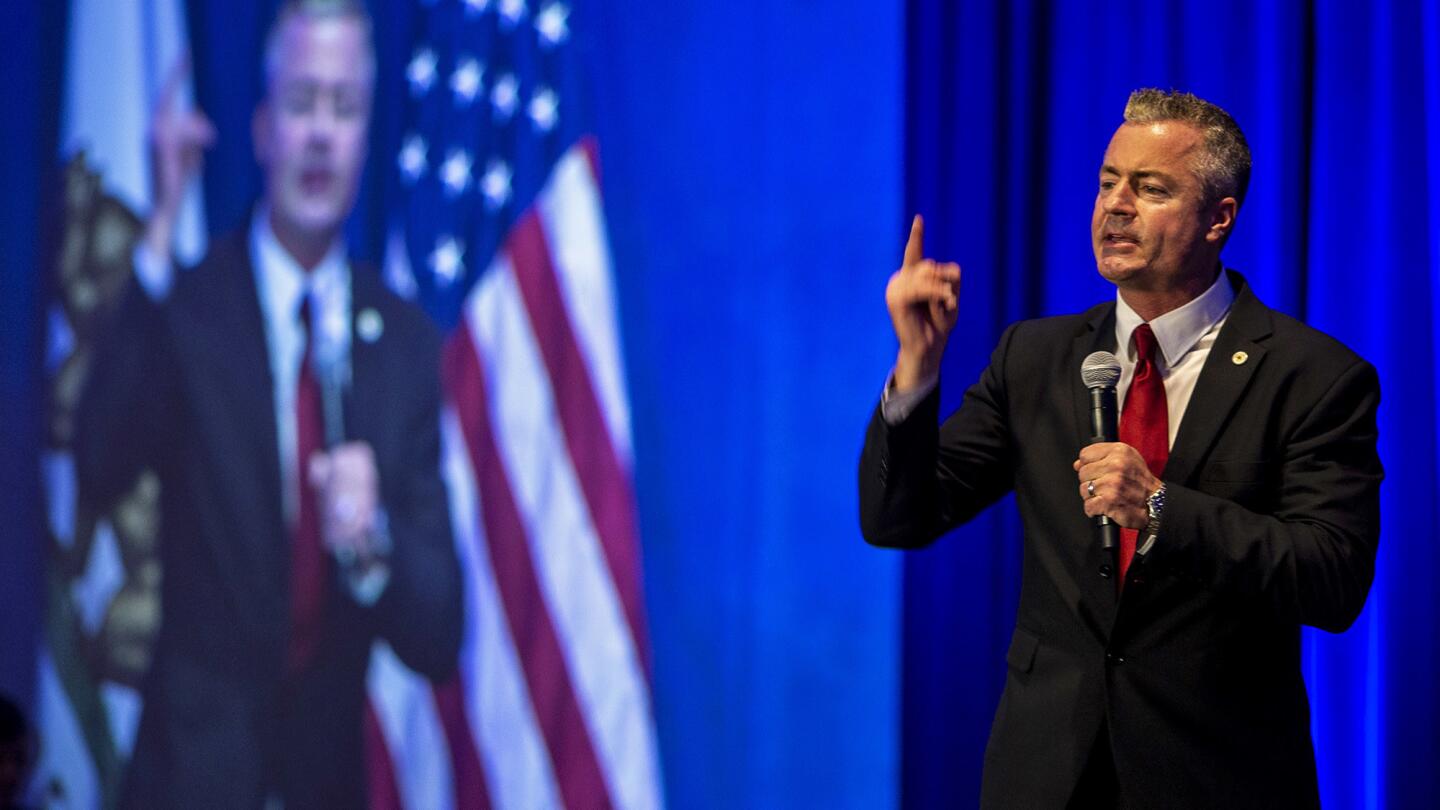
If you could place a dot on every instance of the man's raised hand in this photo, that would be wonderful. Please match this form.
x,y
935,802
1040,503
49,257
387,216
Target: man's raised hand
x,y
179,136
923,298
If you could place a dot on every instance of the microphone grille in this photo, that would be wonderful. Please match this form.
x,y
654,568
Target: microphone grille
x,y
1100,370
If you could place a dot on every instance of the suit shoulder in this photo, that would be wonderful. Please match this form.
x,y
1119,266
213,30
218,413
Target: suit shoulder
x,y
217,283
1288,339
1307,366
1309,342
1314,353
1057,327
226,256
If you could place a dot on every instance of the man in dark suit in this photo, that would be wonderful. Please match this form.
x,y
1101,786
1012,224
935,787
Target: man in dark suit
x,y
1165,674
302,507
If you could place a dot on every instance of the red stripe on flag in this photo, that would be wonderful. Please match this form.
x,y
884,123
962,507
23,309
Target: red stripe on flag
x,y
381,787
603,479
470,790
577,770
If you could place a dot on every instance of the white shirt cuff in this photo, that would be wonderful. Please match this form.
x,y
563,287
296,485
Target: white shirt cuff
x,y
155,273
896,406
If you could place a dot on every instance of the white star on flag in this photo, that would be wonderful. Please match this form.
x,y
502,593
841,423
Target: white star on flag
x,y
445,260
421,71
465,81
412,158
511,11
476,7
551,23
505,96
542,109
495,185
455,171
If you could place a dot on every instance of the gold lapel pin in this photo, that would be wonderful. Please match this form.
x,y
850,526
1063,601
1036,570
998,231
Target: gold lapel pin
x,y
1239,358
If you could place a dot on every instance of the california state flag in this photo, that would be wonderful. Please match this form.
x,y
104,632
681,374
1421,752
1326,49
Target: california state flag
x,y
102,569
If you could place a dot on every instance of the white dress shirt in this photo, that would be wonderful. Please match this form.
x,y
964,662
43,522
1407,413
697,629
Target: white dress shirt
x,y
283,285
1185,336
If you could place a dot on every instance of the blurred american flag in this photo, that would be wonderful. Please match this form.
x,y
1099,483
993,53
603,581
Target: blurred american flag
x,y
499,233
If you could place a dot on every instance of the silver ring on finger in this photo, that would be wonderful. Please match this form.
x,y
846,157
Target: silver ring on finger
x,y
1090,488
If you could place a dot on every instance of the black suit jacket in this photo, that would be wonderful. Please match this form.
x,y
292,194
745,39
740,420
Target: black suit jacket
x,y
185,388
1272,522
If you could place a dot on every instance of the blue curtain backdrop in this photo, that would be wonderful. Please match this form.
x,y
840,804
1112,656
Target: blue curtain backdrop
x,y
30,63
1009,106
759,162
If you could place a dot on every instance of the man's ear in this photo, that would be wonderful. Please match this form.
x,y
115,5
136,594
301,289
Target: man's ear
x,y
1222,219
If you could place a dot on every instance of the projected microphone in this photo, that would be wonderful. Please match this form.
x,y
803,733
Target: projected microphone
x,y
1100,372
330,356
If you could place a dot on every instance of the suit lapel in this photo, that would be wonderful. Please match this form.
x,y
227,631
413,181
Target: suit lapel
x,y
237,403
1223,380
248,379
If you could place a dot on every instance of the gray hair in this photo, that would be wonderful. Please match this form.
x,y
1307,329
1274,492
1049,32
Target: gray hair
x,y
1224,163
316,10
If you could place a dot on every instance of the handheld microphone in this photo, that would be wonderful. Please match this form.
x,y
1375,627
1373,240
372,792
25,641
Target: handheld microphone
x,y
1100,372
330,357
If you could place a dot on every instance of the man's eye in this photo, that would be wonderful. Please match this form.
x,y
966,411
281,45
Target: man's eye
x,y
349,101
298,102
1152,189
1106,185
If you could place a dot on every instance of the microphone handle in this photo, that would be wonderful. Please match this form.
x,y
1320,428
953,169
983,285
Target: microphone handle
x,y
332,403
332,407
1104,427
1109,531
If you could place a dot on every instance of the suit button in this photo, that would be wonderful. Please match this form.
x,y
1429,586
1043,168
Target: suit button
x,y
1105,570
1114,658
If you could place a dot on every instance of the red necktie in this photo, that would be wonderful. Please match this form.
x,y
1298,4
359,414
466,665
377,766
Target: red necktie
x,y
1144,423
307,558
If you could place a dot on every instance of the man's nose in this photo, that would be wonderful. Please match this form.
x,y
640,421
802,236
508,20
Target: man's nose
x,y
322,124
1119,200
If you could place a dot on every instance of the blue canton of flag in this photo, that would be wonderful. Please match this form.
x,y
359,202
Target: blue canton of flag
x,y
490,112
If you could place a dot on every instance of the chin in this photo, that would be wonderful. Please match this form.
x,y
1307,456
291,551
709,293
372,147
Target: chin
x,y
312,220
1116,272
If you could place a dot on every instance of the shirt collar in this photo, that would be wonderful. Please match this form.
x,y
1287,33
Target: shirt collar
x,y
281,279
1178,330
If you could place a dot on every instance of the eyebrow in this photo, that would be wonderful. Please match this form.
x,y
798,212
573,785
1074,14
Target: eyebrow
x,y
1143,173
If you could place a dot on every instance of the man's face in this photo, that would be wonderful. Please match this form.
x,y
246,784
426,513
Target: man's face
x,y
310,131
1151,228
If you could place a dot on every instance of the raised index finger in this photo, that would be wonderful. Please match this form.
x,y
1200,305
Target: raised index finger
x,y
914,249
175,79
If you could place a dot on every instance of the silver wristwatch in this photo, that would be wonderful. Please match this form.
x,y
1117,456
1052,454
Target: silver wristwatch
x,y
1154,508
